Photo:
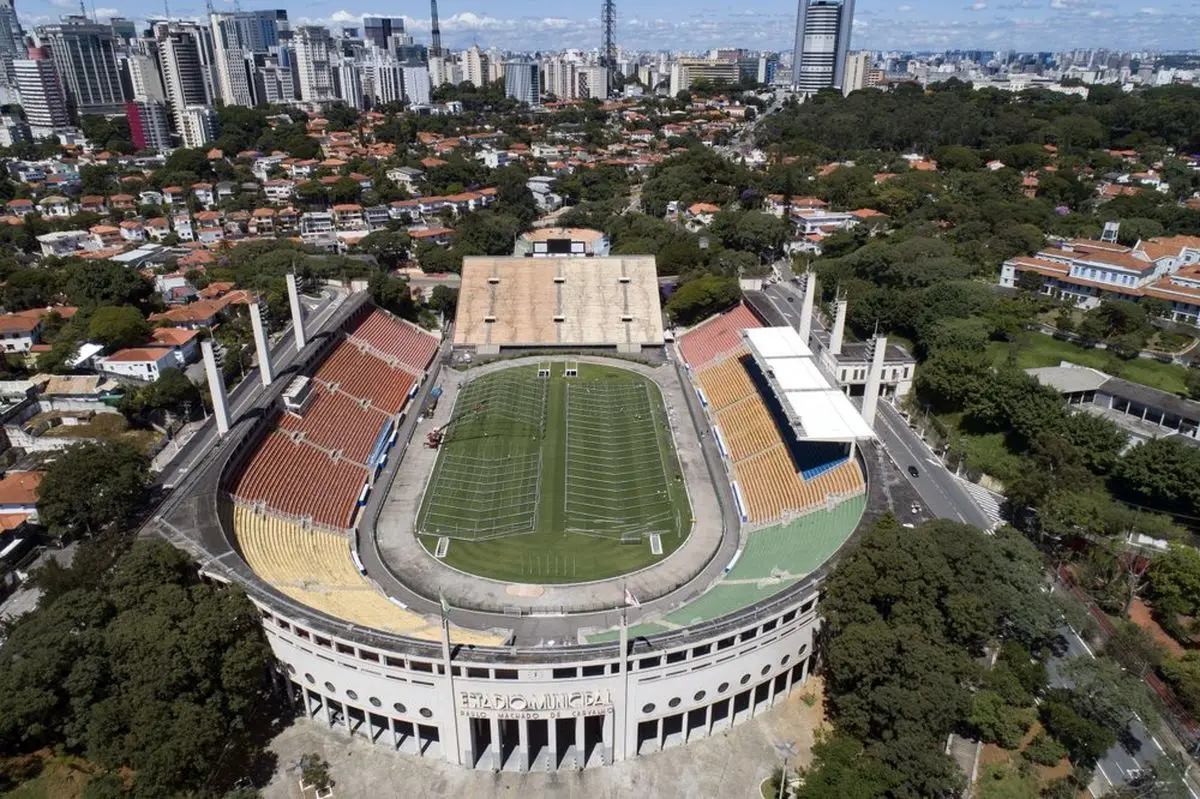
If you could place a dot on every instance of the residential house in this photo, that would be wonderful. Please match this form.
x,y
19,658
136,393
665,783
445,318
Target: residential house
x,y
203,192
279,191
150,197
182,223
144,364
174,195
57,206
348,216
20,331
407,178
158,228
262,222
105,235
701,214
93,203
133,230
61,243
184,343
121,202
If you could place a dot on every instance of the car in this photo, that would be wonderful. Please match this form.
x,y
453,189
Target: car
x,y
913,471
915,508
791,298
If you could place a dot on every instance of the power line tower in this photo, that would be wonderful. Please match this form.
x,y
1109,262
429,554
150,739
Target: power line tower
x,y
435,43
608,19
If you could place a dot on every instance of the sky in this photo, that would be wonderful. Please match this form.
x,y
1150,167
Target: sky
x,y
529,25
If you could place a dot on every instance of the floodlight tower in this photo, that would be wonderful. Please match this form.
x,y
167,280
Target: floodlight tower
x,y
435,41
608,19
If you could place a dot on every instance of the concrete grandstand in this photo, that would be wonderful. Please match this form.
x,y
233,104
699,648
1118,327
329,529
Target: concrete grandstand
x,y
290,507
559,302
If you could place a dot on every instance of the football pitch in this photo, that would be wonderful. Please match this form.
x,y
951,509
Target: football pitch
x,y
555,479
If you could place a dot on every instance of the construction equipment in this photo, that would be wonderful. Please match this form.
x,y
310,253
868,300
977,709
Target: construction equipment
x,y
437,436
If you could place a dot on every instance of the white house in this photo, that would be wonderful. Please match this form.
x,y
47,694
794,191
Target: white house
x,y
138,363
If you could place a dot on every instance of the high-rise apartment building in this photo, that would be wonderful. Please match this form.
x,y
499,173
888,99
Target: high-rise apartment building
x,y
416,84
238,37
858,64
522,81
41,93
273,79
148,124
475,67
12,41
144,76
823,29
686,71
199,125
348,84
315,51
591,82
559,77
186,77
85,56
382,78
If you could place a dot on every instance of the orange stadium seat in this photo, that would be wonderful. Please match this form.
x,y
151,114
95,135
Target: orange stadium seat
x,y
717,336
390,337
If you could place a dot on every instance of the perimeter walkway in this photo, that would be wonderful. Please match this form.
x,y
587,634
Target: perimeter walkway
x,y
412,564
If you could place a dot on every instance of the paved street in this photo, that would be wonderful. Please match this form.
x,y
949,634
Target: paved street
x,y
1124,761
942,495
283,352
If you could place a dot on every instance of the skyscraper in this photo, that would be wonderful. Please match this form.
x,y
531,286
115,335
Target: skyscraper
x,y
416,84
148,126
314,56
522,81
378,31
239,36
181,56
12,40
41,93
475,67
85,56
823,30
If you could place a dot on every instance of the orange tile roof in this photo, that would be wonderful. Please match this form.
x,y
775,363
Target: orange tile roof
x,y
20,488
172,336
139,354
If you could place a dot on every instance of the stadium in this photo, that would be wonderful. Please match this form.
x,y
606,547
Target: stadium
x,y
551,540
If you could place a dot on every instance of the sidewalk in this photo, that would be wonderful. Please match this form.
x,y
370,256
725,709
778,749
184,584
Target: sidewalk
x,y
168,453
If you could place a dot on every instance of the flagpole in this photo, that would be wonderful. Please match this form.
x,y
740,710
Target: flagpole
x,y
449,669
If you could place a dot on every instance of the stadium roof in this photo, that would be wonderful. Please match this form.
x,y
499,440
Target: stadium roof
x,y
578,301
817,409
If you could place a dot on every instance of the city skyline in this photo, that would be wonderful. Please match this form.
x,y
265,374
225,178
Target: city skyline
x,y
531,25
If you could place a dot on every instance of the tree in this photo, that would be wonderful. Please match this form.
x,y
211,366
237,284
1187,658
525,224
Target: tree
x,y
1175,581
1162,473
389,247
92,487
314,771
1030,281
118,326
1192,381
1086,741
444,299
1184,675
998,722
139,666
700,298
1103,692
393,294
94,283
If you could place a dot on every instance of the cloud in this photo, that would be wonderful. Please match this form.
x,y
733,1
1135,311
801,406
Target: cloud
x,y
1150,11
1100,14
904,9
342,15
977,6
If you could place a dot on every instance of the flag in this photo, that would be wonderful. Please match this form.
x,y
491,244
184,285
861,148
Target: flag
x,y
445,604
631,600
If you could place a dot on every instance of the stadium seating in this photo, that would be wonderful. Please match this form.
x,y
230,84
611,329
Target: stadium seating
x,y
298,479
338,422
363,376
772,487
748,428
389,337
772,559
716,337
726,382
315,568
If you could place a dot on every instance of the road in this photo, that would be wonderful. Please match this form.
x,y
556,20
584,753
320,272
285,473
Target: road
x,y
1120,764
941,493
283,352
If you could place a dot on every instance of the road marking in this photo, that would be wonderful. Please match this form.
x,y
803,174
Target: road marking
x,y
1111,784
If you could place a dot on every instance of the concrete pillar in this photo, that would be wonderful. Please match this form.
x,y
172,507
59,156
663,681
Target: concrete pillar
x,y
617,743
806,306
839,328
297,311
580,743
708,720
552,741
216,387
874,379
260,344
523,744
497,763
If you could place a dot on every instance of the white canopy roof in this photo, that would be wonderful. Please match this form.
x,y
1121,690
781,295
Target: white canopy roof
x,y
817,409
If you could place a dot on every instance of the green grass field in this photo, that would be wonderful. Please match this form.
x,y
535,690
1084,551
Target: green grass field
x,y
1037,349
556,480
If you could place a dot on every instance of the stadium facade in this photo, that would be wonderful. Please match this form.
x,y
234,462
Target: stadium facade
x,y
287,506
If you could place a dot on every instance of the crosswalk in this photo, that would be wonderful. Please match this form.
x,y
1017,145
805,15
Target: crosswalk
x,y
987,501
